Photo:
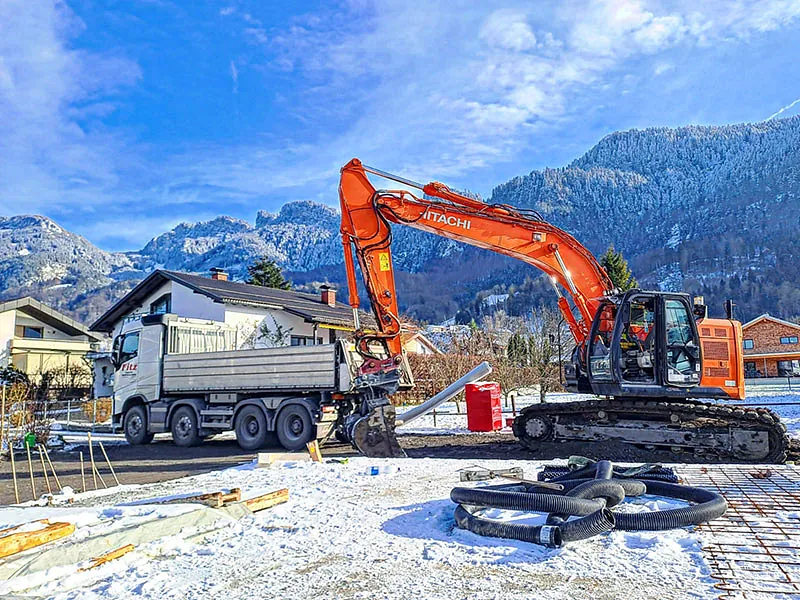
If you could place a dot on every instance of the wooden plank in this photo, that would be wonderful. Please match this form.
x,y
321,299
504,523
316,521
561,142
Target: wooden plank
x,y
267,500
235,495
14,543
212,499
265,459
108,556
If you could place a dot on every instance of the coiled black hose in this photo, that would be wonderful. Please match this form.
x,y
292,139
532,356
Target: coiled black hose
x,y
589,499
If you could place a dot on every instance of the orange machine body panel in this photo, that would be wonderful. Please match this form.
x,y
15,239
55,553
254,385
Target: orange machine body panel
x,y
723,359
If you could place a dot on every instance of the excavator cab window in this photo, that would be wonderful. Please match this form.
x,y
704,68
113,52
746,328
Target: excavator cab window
x,y
682,348
602,335
637,340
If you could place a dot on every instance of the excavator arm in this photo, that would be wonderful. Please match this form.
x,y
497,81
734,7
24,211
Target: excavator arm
x,y
367,218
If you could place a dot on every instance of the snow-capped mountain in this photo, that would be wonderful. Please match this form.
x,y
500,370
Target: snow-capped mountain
x,y
711,210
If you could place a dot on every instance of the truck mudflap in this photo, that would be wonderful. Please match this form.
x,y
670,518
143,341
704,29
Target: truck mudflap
x,y
374,433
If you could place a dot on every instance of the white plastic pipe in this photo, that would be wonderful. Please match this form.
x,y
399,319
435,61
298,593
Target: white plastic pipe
x,y
479,372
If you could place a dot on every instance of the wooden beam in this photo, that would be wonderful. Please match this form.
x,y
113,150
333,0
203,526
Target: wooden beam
x,y
235,495
24,540
267,500
108,556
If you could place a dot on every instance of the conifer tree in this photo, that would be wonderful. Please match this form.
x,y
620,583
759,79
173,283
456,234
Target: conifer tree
x,y
266,273
618,270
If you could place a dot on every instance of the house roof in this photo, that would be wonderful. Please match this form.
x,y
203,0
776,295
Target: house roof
x,y
768,317
49,316
307,306
409,336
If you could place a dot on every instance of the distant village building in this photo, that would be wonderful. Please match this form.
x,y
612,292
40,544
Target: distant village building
x,y
771,347
36,339
262,317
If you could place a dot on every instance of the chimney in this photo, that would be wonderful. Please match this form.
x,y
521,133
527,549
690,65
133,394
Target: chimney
x,y
328,295
219,274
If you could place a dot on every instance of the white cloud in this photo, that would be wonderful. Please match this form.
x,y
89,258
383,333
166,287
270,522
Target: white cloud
x,y
235,77
508,29
52,147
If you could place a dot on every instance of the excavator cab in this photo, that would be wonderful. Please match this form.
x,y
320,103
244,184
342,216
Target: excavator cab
x,y
644,344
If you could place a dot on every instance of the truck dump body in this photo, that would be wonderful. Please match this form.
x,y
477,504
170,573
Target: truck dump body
x,y
302,368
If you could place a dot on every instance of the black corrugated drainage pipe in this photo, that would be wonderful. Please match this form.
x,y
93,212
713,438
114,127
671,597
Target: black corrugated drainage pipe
x,y
589,499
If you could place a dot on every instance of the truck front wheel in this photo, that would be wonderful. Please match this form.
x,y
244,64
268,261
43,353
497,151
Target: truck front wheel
x,y
184,427
251,428
135,426
294,427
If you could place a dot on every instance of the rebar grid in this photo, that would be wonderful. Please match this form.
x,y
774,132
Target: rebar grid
x,y
754,550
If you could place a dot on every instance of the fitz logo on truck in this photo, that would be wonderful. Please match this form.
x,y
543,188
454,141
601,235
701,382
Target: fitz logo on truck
x,y
438,217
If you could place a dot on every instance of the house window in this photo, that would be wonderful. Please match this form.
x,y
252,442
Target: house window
x,y
26,331
748,344
789,340
787,368
162,305
304,340
750,370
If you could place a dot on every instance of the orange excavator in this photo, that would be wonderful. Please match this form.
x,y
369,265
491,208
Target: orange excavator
x,y
651,359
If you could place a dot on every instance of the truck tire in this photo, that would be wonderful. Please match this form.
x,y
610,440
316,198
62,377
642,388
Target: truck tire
x,y
135,426
184,427
294,427
251,428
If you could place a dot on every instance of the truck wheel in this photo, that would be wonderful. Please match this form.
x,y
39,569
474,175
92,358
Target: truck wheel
x,y
135,426
294,427
184,427
251,428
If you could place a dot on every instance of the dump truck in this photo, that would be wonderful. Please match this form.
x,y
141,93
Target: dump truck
x,y
185,376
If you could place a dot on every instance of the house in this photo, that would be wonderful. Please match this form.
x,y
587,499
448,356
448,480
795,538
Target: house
x,y
771,347
262,317
415,342
36,339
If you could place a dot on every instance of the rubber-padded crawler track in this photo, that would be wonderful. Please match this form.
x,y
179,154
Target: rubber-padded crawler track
x,y
693,414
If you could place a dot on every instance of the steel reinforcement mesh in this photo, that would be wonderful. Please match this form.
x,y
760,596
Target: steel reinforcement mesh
x,y
754,549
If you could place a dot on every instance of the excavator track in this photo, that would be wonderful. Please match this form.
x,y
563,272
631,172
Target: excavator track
x,y
726,432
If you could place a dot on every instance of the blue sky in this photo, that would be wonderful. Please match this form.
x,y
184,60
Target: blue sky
x,y
120,119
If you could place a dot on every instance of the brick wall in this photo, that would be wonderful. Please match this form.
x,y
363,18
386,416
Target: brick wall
x,y
766,336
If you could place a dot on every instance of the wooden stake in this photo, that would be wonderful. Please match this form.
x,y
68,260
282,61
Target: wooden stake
x,y
95,473
108,462
314,451
108,556
267,500
44,470
30,468
17,542
83,474
13,470
52,468
3,420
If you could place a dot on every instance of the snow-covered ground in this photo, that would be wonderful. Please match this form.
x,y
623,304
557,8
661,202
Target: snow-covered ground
x,y
346,534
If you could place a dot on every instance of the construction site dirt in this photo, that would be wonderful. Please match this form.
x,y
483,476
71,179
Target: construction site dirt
x,y
162,460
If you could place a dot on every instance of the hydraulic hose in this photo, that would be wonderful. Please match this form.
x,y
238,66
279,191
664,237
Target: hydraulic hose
x,y
589,499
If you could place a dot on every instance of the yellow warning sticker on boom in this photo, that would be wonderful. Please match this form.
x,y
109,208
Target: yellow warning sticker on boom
x,y
383,258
